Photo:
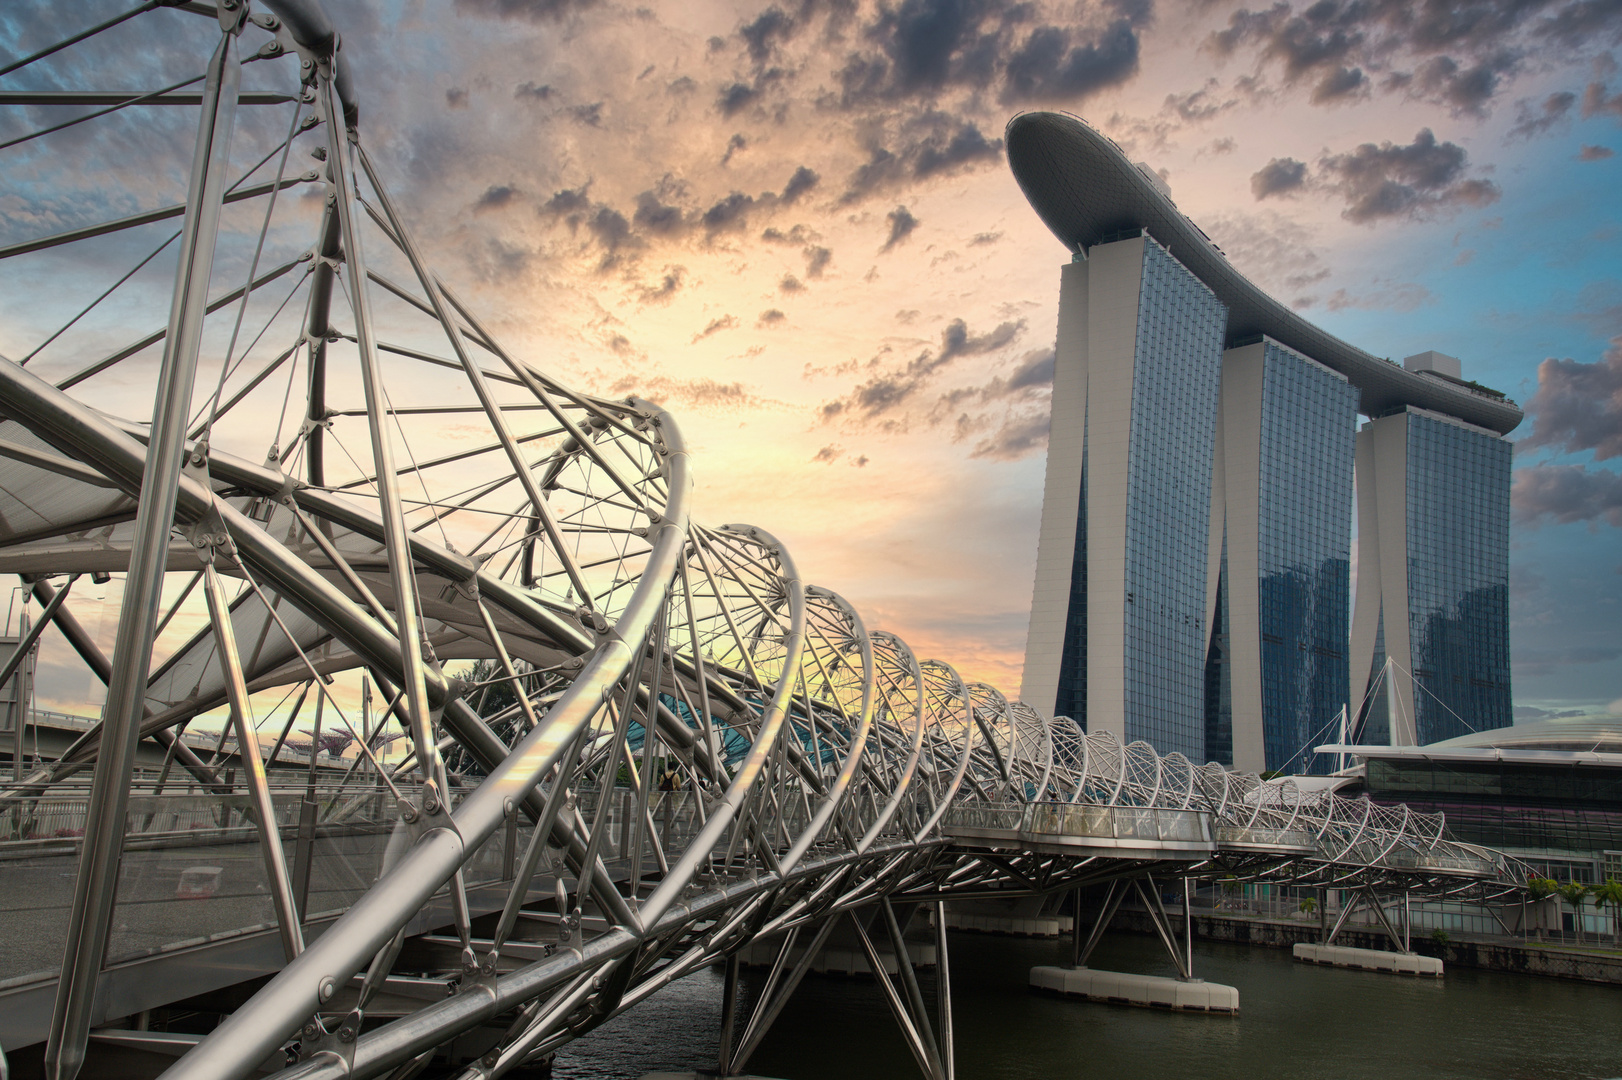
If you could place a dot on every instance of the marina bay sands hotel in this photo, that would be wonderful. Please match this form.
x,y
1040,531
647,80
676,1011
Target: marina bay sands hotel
x,y
1193,569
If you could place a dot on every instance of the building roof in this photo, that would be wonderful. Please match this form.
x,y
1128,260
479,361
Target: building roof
x,y
1083,188
1586,741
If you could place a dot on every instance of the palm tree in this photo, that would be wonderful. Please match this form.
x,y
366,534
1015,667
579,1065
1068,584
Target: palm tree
x,y
1541,888
1611,893
1573,892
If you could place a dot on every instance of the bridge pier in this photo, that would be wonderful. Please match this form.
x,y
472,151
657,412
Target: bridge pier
x,y
929,1040
1028,916
1181,993
1400,960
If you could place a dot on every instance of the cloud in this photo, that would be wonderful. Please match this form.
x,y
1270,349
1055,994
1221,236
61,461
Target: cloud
x,y
1386,295
882,169
495,197
965,147
799,234
790,284
771,317
931,143
1527,713
1272,250
1566,494
1458,55
531,92
1034,372
1303,44
817,260
1555,110
1467,90
770,26
1340,85
1540,663
1198,105
1281,176
1595,153
1598,99
734,144
1012,407
532,10
715,326
1394,180
802,181
902,224
613,232
922,49
884,393
668,286
1017,438
1599,307
569,201
590,115
728,214
985,239
1053,65
829,454
735,98
658,217
701,393
1578,406
456,97
607,227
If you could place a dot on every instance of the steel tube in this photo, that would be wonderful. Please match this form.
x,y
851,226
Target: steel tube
x,y
771,726
909,980
898,1008
95,887
31,636
729,1013
943,991
253,766
402,571
259,1027
767,1011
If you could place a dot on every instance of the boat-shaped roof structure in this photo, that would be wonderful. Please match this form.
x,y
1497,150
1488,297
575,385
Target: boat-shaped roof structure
x,y
1087,191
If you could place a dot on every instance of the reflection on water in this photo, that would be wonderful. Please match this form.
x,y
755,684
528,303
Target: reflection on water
x,y
1298,1022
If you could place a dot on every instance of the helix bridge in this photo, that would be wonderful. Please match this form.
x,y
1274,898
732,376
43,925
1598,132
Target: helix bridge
x,y
631,745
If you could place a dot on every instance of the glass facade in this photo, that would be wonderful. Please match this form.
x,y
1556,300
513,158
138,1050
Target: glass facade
x,y
1525,808
1072,696
1458,578
1219,675
1176,367
1373,727
1308,432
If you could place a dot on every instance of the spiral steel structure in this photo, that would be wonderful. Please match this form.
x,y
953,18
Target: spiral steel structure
x,y
672,745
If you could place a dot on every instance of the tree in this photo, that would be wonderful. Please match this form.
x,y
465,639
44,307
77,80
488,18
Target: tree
x,y
1573,892
1611,893
1541,888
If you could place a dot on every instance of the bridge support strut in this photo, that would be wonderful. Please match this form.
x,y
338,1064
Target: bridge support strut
x,y
915,1027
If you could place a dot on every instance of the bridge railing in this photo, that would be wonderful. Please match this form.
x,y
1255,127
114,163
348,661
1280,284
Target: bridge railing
x,y
1251,836
1445,859
1147,823
1081,821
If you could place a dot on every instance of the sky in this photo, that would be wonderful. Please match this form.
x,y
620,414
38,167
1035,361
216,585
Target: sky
x,y
794,225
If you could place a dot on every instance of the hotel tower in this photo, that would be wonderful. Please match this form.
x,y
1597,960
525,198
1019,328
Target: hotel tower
x,y
1194,562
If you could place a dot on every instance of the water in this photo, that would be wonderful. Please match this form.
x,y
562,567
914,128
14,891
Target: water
x,y
1297,1022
